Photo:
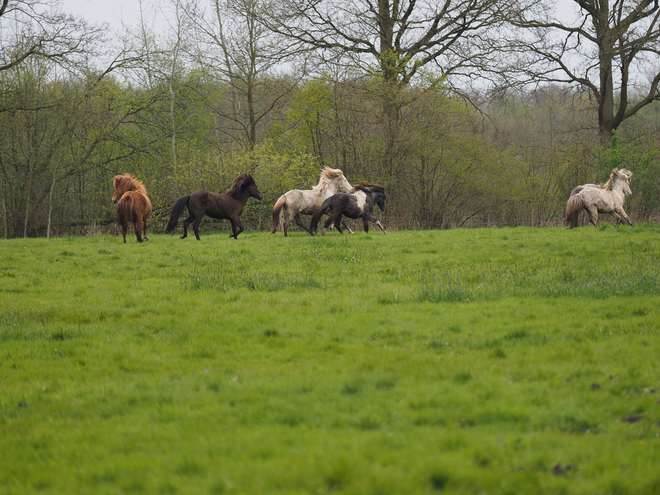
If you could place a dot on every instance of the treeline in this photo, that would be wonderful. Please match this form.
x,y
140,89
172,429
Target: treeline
x,y
447,158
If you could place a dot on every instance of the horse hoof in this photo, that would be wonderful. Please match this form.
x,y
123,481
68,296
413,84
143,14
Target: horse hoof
x,y
145,238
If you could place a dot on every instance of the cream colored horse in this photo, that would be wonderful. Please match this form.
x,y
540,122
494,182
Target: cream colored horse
x,y
596,198
299,201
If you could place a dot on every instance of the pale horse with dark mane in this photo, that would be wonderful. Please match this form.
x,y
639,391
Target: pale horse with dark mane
x,y
595,199
299,201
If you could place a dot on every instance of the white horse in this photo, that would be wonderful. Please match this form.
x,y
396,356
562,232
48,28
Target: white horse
x,y
299,201
596,198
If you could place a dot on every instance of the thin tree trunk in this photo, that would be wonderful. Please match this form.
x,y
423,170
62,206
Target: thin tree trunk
x,y
50,207
4,214
173,95
27,200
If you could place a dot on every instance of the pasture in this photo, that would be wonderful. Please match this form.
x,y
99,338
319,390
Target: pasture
x,y
491,361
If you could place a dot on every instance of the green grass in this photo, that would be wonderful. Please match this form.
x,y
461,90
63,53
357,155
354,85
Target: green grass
x,y
463,361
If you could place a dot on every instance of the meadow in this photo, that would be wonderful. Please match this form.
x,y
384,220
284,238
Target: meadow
x,y
483,361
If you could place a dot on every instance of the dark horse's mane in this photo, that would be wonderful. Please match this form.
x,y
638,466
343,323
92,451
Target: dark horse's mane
x,y
366,187
240,182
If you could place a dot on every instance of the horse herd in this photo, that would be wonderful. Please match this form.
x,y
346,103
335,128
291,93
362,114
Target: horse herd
x,y
134,206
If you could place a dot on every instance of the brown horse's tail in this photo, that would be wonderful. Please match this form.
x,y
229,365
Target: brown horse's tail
x,y
315,218
573,207
277,212
125,213
177,209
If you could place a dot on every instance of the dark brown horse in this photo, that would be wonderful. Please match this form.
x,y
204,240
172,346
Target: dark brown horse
x,y
358,204
133,205
228,204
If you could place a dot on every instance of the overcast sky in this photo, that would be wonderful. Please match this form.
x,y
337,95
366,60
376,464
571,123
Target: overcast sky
x,y
114,12
111,11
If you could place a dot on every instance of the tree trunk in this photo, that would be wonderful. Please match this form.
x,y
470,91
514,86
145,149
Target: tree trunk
x,y
606,123
50,207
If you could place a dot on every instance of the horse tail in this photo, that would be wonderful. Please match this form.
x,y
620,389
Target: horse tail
x,y
573,207
177,209
315,218
277,212
125,211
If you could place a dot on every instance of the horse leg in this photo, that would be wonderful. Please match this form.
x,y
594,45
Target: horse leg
x,y
378,224
137,226
593,216
365,221
347,227
124,229
285,224
338,224
623,215
144,231
326,224
196,227
236,222
300,224
187,222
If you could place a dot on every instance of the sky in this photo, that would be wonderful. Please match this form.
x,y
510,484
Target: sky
x,y
114,12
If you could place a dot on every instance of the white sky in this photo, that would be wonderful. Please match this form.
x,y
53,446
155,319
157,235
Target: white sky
x,y
116,12
113,12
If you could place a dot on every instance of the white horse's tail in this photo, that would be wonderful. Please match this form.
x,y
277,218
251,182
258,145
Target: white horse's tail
x,y
277,213
573,207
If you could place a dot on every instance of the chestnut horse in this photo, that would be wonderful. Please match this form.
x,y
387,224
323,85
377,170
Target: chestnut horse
x,y
600,199
228,204
358,204
133,205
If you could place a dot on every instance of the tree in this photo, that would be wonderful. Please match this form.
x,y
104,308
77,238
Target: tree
x,y
394,40
608,48
238,52
37,28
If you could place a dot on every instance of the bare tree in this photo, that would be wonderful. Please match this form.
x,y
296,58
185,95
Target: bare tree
x,y
38,28
239,52
611,48
395,40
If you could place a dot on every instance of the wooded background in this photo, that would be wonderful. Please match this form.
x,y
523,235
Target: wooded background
x,y
469,112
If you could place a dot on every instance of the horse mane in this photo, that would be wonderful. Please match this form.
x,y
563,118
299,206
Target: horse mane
x,y
240,183
134,183
327,175
366,187
624,173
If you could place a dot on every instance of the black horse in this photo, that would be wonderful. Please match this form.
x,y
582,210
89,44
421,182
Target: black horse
x,y
358,204
228,204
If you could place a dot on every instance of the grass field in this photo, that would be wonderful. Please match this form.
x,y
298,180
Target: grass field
x,y
484,361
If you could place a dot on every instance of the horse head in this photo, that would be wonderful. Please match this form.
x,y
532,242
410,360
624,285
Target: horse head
x,y
342,183
125,183
331,181
626,174
375,191
380,197
254,191
245,182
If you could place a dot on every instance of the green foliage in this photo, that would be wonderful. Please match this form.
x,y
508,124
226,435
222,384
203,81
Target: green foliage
x,y
464,361
276,171
642,157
